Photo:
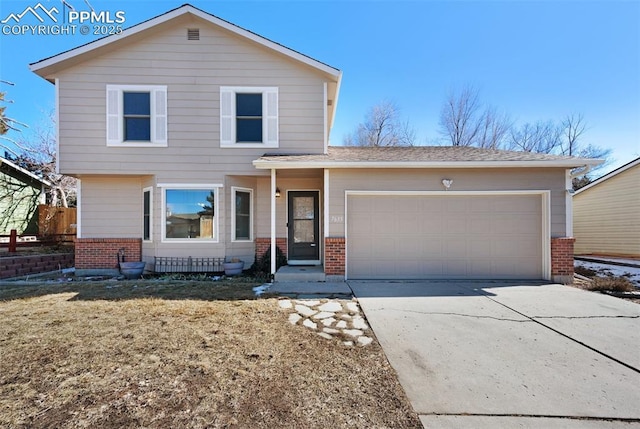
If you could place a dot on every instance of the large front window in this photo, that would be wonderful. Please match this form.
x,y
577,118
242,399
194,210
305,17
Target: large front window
x,y
191,214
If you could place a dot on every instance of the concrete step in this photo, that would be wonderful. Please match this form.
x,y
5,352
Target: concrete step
x,y
300,273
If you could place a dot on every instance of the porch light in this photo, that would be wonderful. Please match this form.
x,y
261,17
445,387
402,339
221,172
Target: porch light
x,y
277,192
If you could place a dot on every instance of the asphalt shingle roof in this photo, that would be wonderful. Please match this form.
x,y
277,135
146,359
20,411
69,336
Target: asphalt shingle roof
x,y
414,154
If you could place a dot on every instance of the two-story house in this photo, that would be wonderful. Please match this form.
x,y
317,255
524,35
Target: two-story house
x,y
193,137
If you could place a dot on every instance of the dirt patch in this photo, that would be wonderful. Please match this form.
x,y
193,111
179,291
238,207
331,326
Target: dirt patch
x,y
174,355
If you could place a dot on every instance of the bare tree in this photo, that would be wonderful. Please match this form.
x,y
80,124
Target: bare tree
x,y
494,128
382,127
38,155
465,121
573,127
540,137
7,123
459,117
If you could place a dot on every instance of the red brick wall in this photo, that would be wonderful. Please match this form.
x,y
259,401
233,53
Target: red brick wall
x,y
25,265
102,253
334,256
562,256
264,244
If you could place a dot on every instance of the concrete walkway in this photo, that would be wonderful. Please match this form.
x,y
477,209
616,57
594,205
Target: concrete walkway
x,y
498,354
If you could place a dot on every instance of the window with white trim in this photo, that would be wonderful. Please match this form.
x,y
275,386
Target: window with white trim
x,y
136,115
242,214
147,213
190,214
248,117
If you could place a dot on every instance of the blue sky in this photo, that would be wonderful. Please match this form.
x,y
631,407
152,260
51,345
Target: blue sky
x,y
535,60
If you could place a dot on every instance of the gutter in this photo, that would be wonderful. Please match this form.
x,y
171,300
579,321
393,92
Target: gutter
x,y
264,164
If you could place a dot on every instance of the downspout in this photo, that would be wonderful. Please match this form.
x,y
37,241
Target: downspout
x,y
587,169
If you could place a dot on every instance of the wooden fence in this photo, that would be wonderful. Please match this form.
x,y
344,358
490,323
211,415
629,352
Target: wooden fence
x,y
56,220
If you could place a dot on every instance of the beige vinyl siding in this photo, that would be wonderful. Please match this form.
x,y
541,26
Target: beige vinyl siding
x,y
431,180
111,207
606,217
193,72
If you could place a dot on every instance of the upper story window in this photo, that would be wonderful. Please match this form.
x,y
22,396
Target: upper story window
x,y
136,115
136,107
249,117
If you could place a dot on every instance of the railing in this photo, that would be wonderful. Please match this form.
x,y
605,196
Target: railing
x,y
165,264
15,240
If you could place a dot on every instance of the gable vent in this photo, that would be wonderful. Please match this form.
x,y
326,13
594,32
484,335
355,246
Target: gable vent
x,y
193,34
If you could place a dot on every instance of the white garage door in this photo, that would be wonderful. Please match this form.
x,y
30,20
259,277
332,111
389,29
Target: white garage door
x,y
444,236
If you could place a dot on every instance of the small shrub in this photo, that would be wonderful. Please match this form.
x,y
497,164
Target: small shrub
x,y
583,271
612,284
261,268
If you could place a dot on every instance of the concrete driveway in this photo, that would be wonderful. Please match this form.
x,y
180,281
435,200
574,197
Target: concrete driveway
x,y
500,354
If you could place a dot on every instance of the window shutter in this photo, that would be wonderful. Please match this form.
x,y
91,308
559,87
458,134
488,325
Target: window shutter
x,y
114,118
227,116
159,117
271,117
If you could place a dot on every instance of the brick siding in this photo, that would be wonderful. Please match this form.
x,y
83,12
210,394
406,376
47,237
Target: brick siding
x,y
334,256
562,258
264,244
102,253
16,266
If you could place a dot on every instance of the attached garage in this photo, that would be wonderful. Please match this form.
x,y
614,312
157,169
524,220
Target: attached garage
x,y
447,235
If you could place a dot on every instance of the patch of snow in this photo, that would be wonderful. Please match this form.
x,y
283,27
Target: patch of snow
x,y
259,290
602,269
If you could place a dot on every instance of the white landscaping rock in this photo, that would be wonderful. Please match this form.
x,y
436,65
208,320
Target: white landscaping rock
x,y
323,315
358,322
309,324
332,306
341,324
285,303
294,318
348,343
331,331
365,341
329,321
353,307
323,335
352,332
308,302
304,310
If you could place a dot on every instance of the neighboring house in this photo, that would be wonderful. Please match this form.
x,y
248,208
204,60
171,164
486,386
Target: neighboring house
x,y
20,194
606,216
193,137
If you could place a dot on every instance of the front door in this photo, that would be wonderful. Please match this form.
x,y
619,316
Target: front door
x,y
304,227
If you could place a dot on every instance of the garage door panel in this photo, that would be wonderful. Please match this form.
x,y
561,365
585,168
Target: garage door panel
x,y
462,236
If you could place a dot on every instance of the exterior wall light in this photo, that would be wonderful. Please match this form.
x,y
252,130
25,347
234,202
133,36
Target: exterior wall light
x,y
447,183
277,192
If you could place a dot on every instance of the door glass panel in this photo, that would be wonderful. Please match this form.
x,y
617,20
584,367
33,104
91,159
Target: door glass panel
x,y
303,208
303,231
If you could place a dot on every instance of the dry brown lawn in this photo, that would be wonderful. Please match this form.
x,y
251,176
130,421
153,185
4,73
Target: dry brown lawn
x,y
181,355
